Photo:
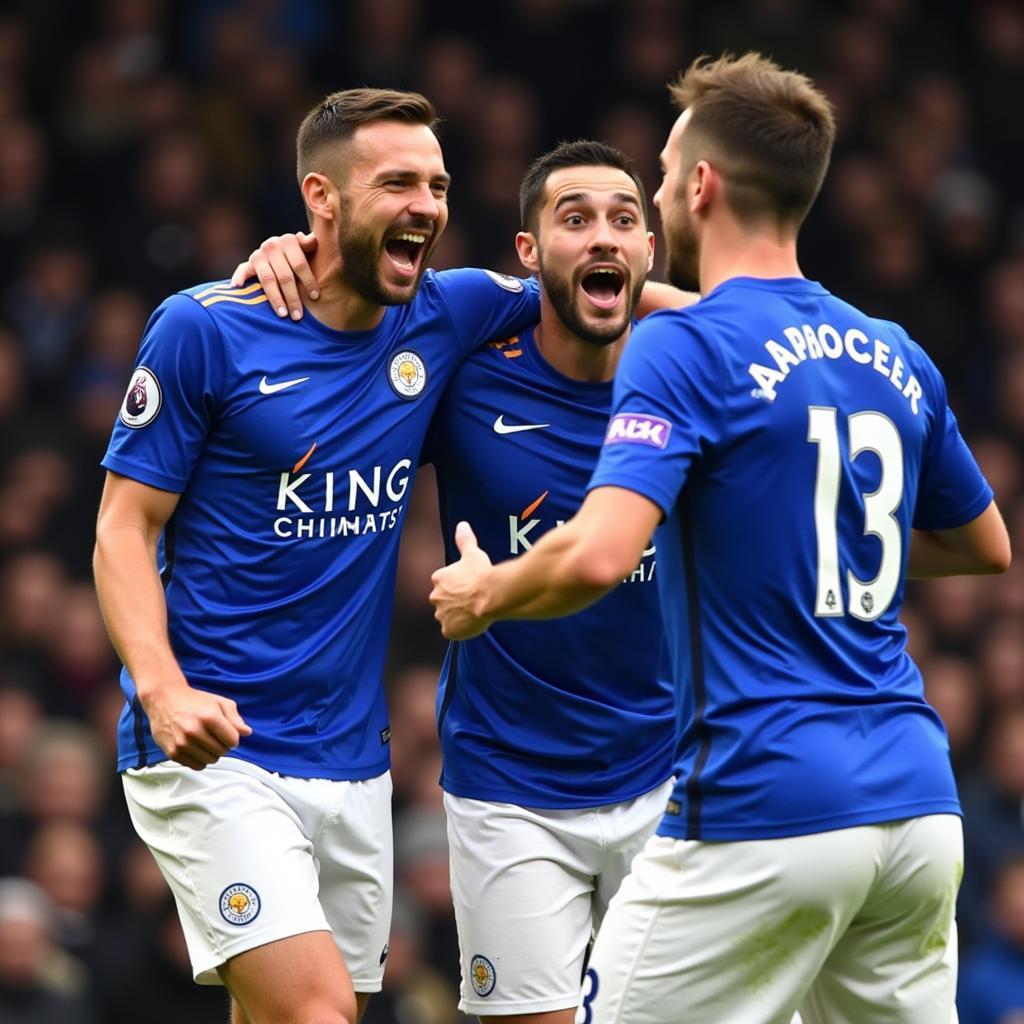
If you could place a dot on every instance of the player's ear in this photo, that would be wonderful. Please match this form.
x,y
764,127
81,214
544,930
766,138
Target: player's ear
x,y
526,246
320,195
650,251
702,186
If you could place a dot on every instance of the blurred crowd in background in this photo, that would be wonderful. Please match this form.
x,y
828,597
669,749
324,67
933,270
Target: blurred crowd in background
x,y
147,145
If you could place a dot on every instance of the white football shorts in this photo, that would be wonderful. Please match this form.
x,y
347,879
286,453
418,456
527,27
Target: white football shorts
x,y
252,857
847,927
530,887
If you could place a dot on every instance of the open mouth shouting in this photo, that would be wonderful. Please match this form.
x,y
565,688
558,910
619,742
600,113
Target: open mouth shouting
x,y
406,251
603,285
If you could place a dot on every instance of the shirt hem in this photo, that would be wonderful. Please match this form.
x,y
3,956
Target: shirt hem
x,y
297,771
549,803
635,484
783,830
967,514
142,475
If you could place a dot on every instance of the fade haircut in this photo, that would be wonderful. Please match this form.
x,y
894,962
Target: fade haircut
x,y
767,131
581,153
336,117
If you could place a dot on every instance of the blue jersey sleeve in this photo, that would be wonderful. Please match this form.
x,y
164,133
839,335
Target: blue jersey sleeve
x,y
952,490
485,305
171,399
665,409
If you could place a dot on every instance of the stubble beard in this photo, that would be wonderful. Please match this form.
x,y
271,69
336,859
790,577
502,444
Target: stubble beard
x,y
562,295
682,259
360,263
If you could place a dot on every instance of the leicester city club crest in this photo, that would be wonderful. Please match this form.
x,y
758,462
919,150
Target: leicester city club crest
x,y
239,903
482,975
407,374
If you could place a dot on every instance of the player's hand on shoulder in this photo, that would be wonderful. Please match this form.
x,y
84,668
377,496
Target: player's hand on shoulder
x,y
457,592
281,266
194,727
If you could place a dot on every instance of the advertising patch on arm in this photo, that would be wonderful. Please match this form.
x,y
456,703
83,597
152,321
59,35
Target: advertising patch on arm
x,y
663,410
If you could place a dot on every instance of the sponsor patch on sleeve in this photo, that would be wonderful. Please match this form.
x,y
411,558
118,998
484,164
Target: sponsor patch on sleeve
x,y
636,428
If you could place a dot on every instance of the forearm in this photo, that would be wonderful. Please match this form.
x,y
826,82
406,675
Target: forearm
x,y
657,295
132,601
930,558
557,577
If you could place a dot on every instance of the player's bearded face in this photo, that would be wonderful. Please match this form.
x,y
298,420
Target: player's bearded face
x,y
682,251
564,292
364,247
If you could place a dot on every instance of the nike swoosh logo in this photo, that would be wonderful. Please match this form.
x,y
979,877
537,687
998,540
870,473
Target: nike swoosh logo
x,y
272,389
501,427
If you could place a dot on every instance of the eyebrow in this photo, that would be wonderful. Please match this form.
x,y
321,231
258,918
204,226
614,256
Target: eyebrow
x,y
572,198
407,175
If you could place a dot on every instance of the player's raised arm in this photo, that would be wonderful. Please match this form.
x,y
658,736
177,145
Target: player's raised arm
x,y
567,569
191,726
281,265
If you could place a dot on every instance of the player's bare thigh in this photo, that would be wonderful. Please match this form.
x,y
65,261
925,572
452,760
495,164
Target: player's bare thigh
x,y
567,1016
292,981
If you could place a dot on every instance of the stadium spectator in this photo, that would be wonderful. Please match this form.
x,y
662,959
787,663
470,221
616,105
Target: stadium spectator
x,y
992,977
39,984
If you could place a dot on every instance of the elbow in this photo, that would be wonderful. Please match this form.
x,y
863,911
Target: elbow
x,y
599,571
999,559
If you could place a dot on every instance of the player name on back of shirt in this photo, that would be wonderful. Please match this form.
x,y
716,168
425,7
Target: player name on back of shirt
x,y
826,342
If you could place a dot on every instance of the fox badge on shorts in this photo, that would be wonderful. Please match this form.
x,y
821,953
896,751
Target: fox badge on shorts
x,y
482,974
239,904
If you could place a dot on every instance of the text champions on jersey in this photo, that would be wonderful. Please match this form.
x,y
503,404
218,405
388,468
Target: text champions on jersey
x,y
807,342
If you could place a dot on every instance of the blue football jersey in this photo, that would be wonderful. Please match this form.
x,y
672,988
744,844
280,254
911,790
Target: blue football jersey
x,y
566,713
791,442
293,447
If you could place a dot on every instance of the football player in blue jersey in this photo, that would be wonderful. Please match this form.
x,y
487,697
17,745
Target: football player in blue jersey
x,y
798,459
245,561
556,738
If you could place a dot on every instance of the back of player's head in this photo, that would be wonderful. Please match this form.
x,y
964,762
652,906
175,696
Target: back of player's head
x,y
767,131
581,153
335,119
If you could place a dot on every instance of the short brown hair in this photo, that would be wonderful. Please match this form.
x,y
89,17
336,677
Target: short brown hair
x,y
581,153
769,132
337,116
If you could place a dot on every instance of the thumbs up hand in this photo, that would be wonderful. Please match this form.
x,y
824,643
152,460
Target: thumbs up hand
x,y
458,594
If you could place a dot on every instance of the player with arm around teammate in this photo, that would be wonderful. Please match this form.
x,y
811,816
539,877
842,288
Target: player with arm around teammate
x,y
556,737
788,445
245,561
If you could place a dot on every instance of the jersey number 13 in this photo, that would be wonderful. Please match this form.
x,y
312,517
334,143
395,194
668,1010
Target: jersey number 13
x,y
869,432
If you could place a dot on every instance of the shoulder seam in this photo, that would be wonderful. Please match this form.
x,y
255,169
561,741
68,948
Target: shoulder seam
x,y
220,334
448,309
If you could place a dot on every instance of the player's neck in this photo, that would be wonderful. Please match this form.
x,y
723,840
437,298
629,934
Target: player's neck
x,y
570,355
340,307
732,252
